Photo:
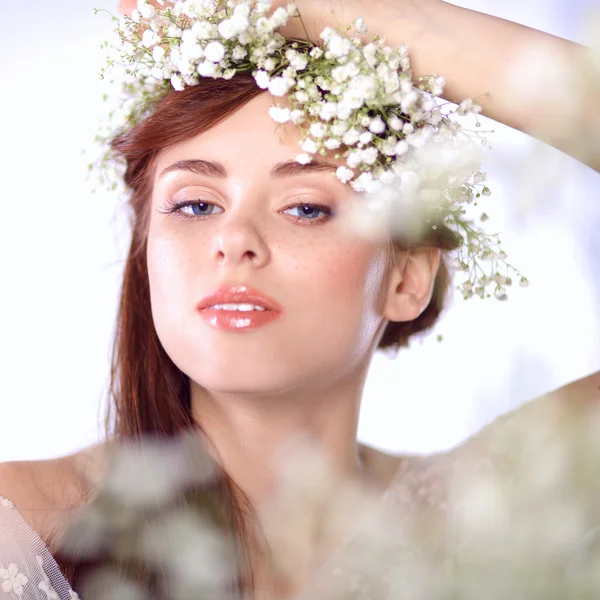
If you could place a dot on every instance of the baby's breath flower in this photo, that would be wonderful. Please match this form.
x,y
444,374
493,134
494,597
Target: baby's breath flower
x,y
298,116
280,115
358,96
344,174
377,125
332,143
214,51
147,11
262,79
351,137
280,86
310,146
360,26
177,83
304,158
318,130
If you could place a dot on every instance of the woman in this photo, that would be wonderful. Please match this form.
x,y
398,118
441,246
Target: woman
x,y
213,377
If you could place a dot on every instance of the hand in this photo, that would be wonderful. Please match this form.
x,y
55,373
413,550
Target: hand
x,y
316,14
126,6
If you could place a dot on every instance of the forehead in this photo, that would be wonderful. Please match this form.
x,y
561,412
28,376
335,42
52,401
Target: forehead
x,y
247,140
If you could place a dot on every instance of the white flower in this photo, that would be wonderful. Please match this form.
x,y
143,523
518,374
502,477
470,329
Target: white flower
x,y
332,143
396,123
269,64
304,159
191,51
310,146
280,16
344,174
207,68
242,10
158,53
149,38
292,9
177,83
146,9
157,73
298,116
377,125
365,138
339,128
239,52
370,155
338,46
351,137
280,86
174,31
302,96
203,30
214,51
360,26
12,580
340,74
316,52
401,147
328,111
436,86
280,115
297,61
468,106
318,130
227,29
135,15
354,159
327,34
263,26
370,54
262,79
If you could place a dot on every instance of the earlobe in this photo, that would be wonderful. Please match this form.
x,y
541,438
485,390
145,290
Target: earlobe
x,y
411,282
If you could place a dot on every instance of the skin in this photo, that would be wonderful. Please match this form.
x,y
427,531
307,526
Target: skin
x,y
302,375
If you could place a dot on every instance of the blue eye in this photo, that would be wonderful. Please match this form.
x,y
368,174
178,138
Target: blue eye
x,y
200,209
307,213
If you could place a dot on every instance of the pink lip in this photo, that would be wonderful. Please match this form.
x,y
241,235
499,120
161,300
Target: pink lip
x,y
235,319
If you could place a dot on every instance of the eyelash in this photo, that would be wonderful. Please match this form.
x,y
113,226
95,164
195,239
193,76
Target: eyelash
x,y
173,207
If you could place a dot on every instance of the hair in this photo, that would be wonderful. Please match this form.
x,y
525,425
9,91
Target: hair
x,y
148,393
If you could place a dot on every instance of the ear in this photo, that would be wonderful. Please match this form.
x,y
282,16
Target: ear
x,y
410,283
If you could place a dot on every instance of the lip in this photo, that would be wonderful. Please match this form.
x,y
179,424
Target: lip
x,y
239,294
235,320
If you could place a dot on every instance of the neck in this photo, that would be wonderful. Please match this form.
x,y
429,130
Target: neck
x,y
251,433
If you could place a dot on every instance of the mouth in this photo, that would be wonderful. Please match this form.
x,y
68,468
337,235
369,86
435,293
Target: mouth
x,y
237,319
237,308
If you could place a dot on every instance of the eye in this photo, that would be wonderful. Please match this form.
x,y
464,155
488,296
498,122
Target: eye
x,y
308,213
199,209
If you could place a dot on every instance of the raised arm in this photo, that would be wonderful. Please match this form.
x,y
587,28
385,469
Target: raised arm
x,y
535,82
538,83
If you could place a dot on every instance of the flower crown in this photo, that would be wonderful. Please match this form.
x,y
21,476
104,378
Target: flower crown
x,y
357,100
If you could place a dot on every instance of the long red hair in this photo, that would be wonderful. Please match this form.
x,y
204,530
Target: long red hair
x,y
148,394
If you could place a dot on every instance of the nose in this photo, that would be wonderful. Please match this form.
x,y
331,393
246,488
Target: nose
x,y
239,240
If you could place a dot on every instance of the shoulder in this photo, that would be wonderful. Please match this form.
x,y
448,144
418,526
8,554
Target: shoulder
x,y
559,420
47,492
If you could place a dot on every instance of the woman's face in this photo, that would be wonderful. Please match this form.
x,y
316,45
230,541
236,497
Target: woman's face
x,y
247,229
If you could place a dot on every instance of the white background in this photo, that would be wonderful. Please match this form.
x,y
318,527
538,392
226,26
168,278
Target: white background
x,y
62,248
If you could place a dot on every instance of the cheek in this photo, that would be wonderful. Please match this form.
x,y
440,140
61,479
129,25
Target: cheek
x,y
169,278
346,274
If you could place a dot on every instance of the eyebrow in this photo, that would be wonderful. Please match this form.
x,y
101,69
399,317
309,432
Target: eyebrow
x,y
287,168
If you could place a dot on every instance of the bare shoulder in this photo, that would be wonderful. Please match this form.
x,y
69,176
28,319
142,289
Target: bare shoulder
x,y
47,492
